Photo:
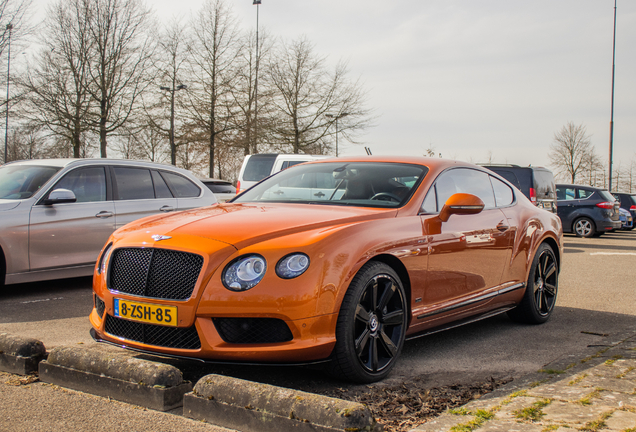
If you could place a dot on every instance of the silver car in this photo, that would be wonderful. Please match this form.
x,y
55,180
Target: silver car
x,y
56,214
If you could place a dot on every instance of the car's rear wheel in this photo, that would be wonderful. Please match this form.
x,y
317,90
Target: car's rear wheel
x,y
371,325
584,227
541,290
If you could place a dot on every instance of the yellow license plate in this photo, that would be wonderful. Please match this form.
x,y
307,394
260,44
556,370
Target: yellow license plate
x,y
146,312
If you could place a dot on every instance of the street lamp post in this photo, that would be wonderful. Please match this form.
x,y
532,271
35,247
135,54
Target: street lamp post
x,y
6,125
611,140
173,149
257,3
336,117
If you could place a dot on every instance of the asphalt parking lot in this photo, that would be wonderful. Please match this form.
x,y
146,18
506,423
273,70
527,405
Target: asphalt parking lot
x,y
595,303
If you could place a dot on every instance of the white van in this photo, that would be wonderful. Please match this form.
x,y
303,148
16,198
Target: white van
x,y
258,166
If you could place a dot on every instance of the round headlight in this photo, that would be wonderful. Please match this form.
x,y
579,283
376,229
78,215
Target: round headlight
x,y
292,265
244,272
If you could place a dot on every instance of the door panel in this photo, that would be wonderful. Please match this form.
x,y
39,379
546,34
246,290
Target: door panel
x,y
72,234
466,256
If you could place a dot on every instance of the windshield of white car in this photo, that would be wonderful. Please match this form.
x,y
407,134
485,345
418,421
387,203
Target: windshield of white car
x,y
365,184
22,181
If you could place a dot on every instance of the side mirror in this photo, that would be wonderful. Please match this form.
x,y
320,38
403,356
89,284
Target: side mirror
x,y
60,196
462,204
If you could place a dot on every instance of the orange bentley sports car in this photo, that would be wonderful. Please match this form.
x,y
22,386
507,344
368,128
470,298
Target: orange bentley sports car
x,y
336,261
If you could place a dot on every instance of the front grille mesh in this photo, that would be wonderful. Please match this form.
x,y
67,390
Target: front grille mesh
x,y
252,330
156,273
151,334
100,306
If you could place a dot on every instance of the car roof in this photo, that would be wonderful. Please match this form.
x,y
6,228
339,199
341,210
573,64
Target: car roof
x,y
64,162
431,162
594,188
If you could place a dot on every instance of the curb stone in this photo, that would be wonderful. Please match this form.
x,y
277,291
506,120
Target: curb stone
x,y
253,407
109,372
594,390
20,355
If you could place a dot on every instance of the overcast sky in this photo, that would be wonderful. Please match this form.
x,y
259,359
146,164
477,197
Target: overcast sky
x,y
469,77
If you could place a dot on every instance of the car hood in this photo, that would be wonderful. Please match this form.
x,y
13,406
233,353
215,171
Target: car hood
x,y
242,224
8,204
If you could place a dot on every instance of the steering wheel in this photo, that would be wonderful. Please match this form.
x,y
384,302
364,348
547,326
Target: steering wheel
x,y
386,196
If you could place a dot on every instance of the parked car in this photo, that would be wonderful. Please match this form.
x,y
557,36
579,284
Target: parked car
x,y
223,190
336,260
628,202
256,167
587,211
625,217
536,183
58,213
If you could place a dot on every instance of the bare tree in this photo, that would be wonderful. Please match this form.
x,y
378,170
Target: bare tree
x,y
245,95
309,100
570,152
169,64
122,48
214,57
57,86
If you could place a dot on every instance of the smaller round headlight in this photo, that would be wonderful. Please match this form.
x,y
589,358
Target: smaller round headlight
x,y
292,265
244,272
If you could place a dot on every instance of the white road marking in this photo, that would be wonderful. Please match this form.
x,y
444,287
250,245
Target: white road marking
x,y
42,300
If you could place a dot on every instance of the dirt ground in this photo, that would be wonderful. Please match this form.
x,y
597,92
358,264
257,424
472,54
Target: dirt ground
x,y
404,406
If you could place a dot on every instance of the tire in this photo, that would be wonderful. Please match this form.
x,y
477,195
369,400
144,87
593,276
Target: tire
x,y
541,290
584,227
371,326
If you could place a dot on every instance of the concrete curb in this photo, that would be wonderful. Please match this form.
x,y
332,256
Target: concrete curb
x,y
20,355
114,373
249,406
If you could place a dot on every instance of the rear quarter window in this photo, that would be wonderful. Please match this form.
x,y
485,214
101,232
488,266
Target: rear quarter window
x,y
181,186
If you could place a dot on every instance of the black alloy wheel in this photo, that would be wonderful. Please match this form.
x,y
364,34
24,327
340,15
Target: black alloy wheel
x,y
541,290
371,325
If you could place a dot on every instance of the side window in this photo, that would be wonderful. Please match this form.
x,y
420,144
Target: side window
x,y
181,186
584,193
430,202
503,193
564,193
463,180
88,184
134,183
161,188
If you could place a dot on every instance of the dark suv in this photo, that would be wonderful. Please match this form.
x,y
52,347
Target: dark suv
x,y
628,202
536,183
586,210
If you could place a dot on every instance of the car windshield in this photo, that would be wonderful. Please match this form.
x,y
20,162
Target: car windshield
x,y
22,181
366,184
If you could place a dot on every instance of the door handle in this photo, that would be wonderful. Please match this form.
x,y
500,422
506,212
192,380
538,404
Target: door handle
x,y
166,208
319,194
502,227
104,214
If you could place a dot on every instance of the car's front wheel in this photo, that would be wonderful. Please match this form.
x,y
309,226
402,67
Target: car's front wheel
x,y
584,227
371,325
541,289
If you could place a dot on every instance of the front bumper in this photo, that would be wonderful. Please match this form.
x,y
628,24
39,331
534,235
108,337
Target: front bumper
x,y
312,340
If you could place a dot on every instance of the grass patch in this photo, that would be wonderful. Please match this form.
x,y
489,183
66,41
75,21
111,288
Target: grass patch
x,y
587,400
622,375
533,413
459,411
577,380
552,371
481,416
598,424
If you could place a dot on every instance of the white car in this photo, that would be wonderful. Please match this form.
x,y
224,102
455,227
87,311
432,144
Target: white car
x,y
256,167
56,214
